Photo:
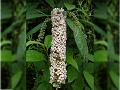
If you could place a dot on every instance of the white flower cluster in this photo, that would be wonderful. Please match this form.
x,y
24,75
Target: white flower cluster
x,y
58,49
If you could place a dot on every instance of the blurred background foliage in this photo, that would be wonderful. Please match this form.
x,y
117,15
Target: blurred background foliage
x,y
92,44
13,40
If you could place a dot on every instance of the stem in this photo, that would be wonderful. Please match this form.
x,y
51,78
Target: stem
x,y
56,88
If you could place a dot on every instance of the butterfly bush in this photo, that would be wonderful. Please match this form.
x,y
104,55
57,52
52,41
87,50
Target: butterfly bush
x,y
58,48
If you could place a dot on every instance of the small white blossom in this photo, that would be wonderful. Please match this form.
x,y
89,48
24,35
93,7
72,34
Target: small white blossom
x,y
58,49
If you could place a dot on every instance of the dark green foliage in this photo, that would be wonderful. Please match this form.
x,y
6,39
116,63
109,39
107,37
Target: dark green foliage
x,y
92,54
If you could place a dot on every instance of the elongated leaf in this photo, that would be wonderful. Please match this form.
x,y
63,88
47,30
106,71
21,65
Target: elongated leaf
x,y
101,43
16,78
89,67
71,61
69,6
72,74
91,57
46,75
100,56
34,30
34,13
80,37
115,78
96,28
34,42
47,41
33,56
89,79
5,42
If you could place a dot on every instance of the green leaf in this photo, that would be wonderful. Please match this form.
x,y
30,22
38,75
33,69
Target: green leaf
x,y
6,56
115,78
5,42
96,28
114,67
80,37
71,61
100,56
34,42
69,6
33,56
89,67
32,12
101,42
34,30
47,41
51,3
16,78
46,74
72,74
89,79
91,57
